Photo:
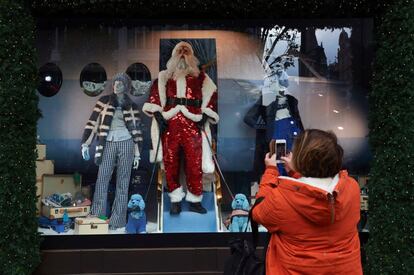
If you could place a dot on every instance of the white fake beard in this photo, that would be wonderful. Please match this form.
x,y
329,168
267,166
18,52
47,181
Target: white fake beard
x,y
179,66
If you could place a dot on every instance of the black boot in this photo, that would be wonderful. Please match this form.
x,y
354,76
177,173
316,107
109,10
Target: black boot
x,y
175,208
197,207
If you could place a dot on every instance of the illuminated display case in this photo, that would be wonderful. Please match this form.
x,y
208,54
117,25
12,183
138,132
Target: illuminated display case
x,y
323,64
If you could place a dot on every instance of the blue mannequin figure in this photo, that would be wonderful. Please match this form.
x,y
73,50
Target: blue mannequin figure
x,y
285,125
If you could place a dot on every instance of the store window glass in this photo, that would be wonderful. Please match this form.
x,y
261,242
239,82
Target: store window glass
x,y
200,101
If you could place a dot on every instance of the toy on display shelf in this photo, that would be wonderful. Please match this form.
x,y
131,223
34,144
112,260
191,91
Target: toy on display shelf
x,y
238,220
58,225
58,200
81,200
137,220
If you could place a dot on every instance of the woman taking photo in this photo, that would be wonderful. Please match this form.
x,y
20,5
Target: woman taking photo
x,y
313,214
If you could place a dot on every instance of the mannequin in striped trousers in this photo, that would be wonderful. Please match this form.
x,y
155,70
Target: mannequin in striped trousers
x,y
115,120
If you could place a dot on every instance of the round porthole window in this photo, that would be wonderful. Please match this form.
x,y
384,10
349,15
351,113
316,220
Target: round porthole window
x,y
50,80
93,79
141,79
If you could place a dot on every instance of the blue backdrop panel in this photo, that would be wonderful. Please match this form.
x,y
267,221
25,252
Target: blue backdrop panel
x,y
188,221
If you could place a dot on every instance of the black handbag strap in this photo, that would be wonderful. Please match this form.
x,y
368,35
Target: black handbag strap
x,y
254,225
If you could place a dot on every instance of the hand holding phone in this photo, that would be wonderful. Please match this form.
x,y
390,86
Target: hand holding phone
x,y
270,160
280,150
278,147
288,162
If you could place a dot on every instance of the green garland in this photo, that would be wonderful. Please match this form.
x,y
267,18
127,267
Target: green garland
x,y
196,9
391,245
19,241
391,195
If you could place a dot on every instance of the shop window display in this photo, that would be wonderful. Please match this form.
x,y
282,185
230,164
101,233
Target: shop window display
x,y
200,105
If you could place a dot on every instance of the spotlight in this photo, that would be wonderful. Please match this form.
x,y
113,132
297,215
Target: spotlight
x,y
48,78
340,128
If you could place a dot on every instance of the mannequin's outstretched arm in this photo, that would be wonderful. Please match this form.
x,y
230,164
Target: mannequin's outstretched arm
x,y
91,129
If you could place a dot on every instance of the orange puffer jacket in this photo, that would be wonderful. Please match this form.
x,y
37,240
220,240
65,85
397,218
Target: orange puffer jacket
x,y
313,231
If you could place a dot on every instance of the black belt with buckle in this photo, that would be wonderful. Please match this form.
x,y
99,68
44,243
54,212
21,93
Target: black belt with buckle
x,y
184,101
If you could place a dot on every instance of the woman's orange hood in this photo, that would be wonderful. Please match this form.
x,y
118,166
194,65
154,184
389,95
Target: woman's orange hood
x,y
316,204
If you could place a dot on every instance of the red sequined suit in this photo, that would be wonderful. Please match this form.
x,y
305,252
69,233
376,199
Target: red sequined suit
x,y
182,132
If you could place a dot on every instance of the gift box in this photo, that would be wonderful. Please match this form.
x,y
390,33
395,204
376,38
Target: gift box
x,y
91,225
44,167
364,203
41,151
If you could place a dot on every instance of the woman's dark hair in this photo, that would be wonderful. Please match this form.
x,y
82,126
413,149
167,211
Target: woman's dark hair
x,y
317,154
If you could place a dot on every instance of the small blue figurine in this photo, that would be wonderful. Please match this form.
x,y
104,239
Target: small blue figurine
x,y
239,216
137,220
65,217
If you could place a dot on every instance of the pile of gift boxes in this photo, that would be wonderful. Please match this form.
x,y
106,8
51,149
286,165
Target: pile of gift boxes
x,y
62,202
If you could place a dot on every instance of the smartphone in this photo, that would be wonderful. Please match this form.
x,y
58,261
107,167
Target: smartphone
x,y
278,147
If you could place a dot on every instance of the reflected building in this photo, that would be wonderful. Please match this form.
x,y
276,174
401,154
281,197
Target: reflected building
x,y
341,69
344,58
313,57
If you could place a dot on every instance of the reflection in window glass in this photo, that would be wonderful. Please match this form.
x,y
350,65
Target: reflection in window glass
x,y
140,77
271,77
93,79
50,80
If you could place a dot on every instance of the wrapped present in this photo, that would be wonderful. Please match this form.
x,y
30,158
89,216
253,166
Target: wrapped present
x,y
41,151
364,202
91,225
44,167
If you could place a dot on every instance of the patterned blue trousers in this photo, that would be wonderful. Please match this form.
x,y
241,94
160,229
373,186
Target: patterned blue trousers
x,y
120,154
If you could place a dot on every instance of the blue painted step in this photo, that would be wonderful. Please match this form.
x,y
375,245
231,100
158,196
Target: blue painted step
x,y
188,221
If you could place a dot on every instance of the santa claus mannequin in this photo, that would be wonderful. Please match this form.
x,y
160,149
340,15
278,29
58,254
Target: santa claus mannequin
x,y
182,104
